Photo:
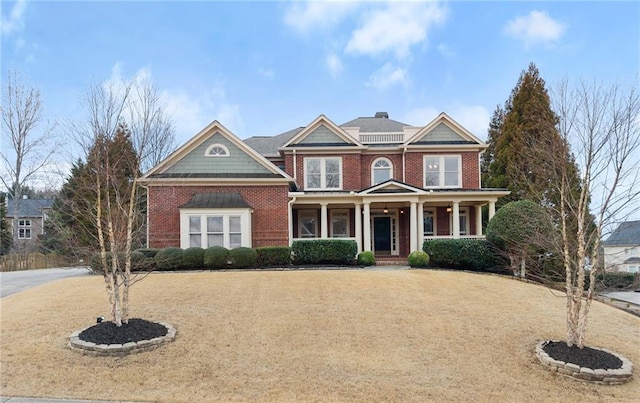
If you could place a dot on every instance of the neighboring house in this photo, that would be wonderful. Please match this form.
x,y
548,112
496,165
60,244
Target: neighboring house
x,y
384,184
622,248
26,218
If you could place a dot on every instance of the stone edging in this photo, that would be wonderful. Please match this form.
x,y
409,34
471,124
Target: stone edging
x,y
599,376
119,350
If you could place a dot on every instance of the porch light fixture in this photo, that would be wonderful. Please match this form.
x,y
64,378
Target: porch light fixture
x,y
448,209
385,210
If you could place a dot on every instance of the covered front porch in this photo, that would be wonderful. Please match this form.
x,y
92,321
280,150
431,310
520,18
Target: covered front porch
x,y
390,220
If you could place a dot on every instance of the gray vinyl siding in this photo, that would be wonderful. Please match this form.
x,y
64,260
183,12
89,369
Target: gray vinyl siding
x,y
322,135
440,133
237,161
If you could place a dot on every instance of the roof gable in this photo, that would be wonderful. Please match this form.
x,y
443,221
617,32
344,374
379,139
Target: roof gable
x,y
444,130
322,132
392,186
191,160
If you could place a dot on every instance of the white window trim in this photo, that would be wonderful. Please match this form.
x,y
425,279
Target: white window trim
x,y
373,169
441,177
343,213
323,173
434,213
245,225
212,146
307,213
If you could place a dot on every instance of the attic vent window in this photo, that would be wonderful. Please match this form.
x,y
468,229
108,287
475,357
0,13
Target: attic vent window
x,y
382,115
217,150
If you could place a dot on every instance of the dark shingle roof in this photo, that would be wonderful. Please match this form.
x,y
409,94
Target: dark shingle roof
x,y
216,200
376,125
627,233
28,207
267,145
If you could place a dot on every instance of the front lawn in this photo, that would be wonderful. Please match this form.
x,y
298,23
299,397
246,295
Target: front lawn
x,y
353,335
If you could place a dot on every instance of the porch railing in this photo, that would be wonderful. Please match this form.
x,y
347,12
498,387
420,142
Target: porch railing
x,y
426,237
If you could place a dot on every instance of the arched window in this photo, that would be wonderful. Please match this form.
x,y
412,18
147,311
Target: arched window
x,y
381,170
217,150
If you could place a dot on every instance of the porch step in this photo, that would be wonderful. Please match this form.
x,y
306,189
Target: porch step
x,y
391,261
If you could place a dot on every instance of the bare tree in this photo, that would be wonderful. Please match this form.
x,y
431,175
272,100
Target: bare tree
x,y
602,125
118,114
29,150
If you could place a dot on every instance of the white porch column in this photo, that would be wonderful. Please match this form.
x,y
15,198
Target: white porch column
x,y
367,227
420,225
358,217
455,220
478,220
324,228
413,225
492,210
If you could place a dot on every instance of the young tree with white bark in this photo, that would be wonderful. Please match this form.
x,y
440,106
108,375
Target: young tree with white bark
x,y
125,129
602,125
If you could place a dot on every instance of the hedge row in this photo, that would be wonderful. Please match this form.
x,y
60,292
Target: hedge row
x,y
464,254
216,257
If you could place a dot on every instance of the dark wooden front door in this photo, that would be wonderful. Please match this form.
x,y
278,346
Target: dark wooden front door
x,y
382,234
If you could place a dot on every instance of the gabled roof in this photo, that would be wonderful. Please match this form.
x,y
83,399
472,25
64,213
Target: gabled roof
x,y
28,207
268,145
318,122
462,135
165,169
627,234
392,186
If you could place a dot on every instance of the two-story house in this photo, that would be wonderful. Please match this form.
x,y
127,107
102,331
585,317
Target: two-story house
x,y
622,248
384,184
26,218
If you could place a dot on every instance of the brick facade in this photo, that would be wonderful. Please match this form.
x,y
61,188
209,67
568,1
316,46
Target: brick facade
x,y
269,220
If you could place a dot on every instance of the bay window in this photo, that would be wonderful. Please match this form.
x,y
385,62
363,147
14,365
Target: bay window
x,y
229,228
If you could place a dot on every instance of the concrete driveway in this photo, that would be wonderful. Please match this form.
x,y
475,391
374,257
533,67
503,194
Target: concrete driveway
x,y
15,281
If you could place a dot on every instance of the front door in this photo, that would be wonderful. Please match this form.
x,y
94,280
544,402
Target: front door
x,y
382,235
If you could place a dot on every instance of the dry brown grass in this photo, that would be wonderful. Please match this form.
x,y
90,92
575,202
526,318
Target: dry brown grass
x,y
412,335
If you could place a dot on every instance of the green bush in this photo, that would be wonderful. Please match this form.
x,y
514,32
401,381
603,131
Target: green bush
x,y
324,251
169,259
418,258
270,256
216,257
193,258
148,252
136,261
243,258
366,258
464,254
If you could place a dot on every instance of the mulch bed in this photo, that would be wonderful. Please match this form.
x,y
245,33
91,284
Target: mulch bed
x,y
134,331
583,357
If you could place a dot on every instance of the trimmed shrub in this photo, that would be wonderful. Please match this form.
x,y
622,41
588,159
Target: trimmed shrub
x,y
418,258
324,251
193,258
243,258
464,254
366,258
270,256
148,252
169,259
216,257
137,259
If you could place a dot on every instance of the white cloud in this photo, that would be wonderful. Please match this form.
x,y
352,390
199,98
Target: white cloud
x,y
15,21
395,28
420,116
535,28
308,16
334,64
388,76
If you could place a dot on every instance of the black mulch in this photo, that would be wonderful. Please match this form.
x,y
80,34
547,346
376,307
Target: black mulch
x,y
134,331
584,357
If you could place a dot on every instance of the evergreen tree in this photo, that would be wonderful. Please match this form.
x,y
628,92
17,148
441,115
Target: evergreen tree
x,y
5,233
526,152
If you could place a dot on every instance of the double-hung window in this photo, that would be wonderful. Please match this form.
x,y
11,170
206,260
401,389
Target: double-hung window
x,y
340,223
202,228
323,173
24,229
307,223
429,223
443,171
